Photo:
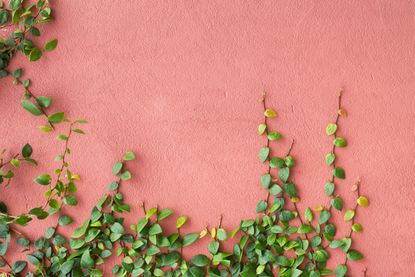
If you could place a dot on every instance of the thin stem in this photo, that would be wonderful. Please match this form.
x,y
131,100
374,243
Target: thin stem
x,y
32,95
6,262
333,166
268,142
3,164
353,219
62,166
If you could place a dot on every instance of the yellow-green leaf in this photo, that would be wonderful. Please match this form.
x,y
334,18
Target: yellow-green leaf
x,y
362,201
270,113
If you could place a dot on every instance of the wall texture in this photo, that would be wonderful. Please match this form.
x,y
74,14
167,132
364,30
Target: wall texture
x,y
178,82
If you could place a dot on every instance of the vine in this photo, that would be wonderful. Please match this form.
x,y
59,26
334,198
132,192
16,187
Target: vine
x,y
281,240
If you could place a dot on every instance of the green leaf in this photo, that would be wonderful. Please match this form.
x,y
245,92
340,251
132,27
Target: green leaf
x,y
45,129
276,162
274,136
22,220
43,179
155,229
17,73
67,266
126,175
262,206
80,231
284,174
348,215
70,200
150,212
26,83
117,228
320,255
33,260
289,161
117,168
340,142
221,234
27,151
51,45
305,229
4,17
35,54
81,121
275,189
86,260
58,240
164,214
30,107
49,232
113,186
213,247
338,172
336,244
34,31
249,269
274,207
153,250
189,239
324,216
356,227
308,215
316,241
266,180
329,188
53,203
182,220
261,128
331,129
330,158
15,4
337,203
290,189
15,162
129,156
62,137
65,220
24,242
341,270
354,255
44,101
56,117
18,266
141,224
263,154
200,260
78,131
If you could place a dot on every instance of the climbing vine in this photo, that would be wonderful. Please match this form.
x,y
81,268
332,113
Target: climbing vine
x,y
280,240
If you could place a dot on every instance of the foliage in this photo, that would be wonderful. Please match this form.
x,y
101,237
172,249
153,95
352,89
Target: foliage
x,y
281,240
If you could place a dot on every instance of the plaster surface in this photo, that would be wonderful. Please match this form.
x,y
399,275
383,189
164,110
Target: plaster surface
x,y
178,82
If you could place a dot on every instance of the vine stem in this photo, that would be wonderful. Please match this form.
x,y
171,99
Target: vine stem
x,y
353,219
63,164
3,164
269,169
266,134
333,166
6,262
27,90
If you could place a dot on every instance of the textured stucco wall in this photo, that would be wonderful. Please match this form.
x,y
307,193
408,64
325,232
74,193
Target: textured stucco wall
x,y
178,82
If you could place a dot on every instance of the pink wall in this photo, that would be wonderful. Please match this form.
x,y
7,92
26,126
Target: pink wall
x,y
178,82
